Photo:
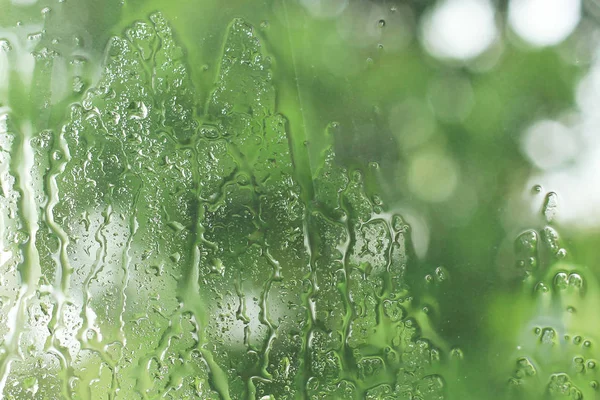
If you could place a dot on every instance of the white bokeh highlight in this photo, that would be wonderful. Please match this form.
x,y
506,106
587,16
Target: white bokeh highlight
x,y
544,22
459,29
549,144
324,8
575,181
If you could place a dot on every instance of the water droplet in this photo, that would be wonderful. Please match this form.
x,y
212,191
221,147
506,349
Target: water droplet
x,y
532,262
561,280
591,364
527,242
393,310
78,84
381,23
577,340
21,237
541,288
5,45
550,207
34,36
537,189
551,239
57,155
456,353
575,280
561,253
548,336
210,132
441,273
91,335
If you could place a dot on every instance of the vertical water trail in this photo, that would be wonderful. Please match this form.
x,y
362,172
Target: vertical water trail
x,y
22,163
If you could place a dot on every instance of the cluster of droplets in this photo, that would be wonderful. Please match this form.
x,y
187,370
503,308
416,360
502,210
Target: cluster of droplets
x,y
171,253
560,290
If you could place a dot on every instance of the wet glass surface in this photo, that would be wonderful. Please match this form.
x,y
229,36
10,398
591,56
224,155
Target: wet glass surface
x,y
299,199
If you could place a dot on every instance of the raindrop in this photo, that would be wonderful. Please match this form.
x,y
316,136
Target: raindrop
x,y
550,207
5,45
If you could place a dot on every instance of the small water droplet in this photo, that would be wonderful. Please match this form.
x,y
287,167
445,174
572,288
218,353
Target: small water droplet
x,y
548,336
90,334
537,189
456,353
34,36
77,84
381,23
441,273
243,179
532,261
550,207
561,280
591,364
575,280
21,237
541,288
5,45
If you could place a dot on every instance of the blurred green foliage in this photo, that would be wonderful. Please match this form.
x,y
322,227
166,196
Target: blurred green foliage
x,y
260,136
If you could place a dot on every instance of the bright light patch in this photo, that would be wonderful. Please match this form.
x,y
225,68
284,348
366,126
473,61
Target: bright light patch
x,y
24,2
544,22
432,176
324,8
459,29
549,144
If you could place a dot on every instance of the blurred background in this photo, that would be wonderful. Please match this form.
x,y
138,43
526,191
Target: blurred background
x,y
479,115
